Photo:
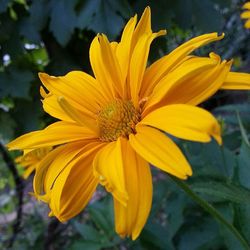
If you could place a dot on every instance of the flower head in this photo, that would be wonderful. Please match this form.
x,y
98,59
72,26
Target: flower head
x,y
112,125
31,159
246,14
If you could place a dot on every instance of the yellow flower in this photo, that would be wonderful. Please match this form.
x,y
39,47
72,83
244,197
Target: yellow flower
x,y
31,159
246,14
112,125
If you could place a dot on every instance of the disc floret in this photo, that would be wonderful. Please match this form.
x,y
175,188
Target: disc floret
x,y
117,118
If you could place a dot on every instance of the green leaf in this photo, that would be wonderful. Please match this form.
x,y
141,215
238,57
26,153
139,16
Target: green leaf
x,y
86,245
7,126
15,82
87,231
244,165
26,114
102,215
210,209
228,112
63,20
242,218
228,212
155,236
93,11
202,235
174,210
222,189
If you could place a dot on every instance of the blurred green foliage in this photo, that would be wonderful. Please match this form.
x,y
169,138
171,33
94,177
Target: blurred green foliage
x,y
54,37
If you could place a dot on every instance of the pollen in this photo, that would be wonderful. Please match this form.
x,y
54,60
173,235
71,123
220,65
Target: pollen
x,y
117,119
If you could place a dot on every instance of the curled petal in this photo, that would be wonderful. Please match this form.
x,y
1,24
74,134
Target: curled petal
x,y
164,65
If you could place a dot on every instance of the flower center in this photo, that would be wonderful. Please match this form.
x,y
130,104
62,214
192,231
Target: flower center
x,y
118,118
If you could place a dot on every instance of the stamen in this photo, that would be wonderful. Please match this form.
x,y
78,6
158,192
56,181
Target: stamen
x,y
118,118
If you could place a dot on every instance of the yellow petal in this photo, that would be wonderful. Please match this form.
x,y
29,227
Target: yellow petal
x,y
164,65
247,24
245,15
28,171
102,68
237,80
185,76
51,106
159,150
185,121
199,88
143,26
78,117
246,5
130,220
55,134
51,166
38,181
80,89
69,152
70,194
124,48
108,167
138,63
111,64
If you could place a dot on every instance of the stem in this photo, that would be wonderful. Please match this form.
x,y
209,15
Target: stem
x,y
209,208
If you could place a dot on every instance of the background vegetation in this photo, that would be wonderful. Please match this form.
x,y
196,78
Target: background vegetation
x,y
54,36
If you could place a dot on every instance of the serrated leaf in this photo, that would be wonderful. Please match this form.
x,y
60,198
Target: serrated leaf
x,y
106,19
223,190
63,20
31,26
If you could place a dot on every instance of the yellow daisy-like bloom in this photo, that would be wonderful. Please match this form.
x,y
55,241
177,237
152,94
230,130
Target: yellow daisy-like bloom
x,y
31,159
246,14
112,125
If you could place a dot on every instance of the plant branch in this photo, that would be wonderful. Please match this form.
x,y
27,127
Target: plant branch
x,y
209,208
